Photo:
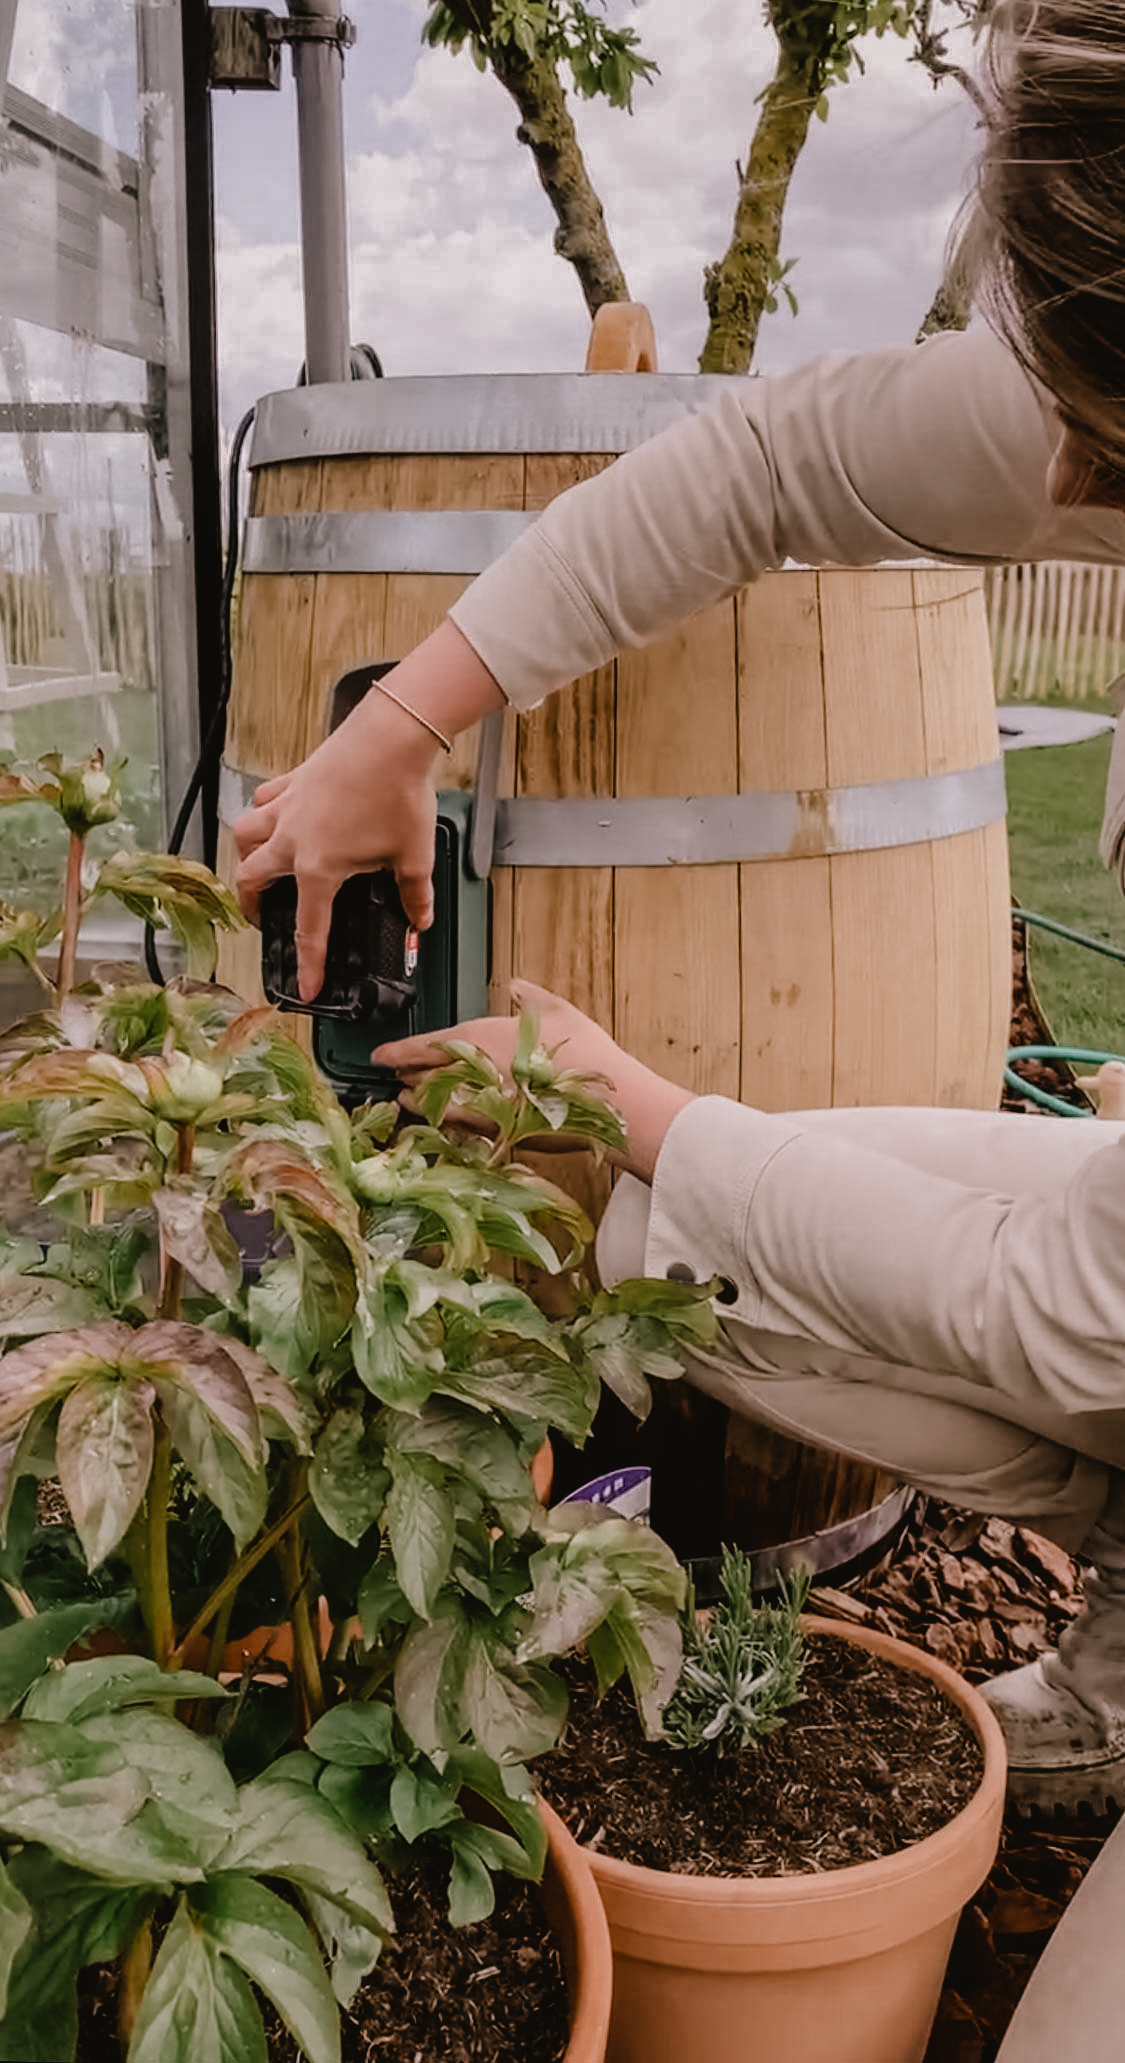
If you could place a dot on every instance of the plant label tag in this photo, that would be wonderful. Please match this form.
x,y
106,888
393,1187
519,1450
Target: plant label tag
x,y
626,1492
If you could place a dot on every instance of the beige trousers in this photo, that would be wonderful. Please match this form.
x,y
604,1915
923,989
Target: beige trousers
x,y
1024,1457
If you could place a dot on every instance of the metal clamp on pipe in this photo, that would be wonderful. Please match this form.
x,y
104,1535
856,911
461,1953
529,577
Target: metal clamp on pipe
x,y
246,44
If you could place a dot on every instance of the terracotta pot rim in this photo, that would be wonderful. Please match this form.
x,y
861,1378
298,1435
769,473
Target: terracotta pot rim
x,y
853,1881
590,1963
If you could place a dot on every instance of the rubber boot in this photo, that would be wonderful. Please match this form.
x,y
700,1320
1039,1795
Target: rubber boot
x,y
1063,1715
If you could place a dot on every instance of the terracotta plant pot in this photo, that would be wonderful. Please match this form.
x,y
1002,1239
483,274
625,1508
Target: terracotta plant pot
x,y
577,1915
840,1967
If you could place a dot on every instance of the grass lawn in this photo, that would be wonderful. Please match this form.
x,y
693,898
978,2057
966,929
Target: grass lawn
x,y
1055,797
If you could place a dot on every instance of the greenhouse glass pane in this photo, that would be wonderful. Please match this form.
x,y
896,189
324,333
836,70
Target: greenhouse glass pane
x,y
97,642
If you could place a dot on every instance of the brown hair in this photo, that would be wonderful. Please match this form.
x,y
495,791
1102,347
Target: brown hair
x,y
1051,204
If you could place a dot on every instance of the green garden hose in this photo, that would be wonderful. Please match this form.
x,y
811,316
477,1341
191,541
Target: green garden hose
x,y
1015,1082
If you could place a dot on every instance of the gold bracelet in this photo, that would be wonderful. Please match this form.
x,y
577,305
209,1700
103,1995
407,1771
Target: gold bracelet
x,y
415,713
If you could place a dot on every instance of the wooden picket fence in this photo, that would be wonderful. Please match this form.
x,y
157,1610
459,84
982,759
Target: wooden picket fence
x,y
1055,626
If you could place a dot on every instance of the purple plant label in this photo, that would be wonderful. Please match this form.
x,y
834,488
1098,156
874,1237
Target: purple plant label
x,y
626,1492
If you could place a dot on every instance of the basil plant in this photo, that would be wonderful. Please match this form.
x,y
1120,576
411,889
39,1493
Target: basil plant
x,y
278,1599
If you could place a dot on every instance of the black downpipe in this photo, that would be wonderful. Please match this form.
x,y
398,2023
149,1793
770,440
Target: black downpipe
x,y
206,483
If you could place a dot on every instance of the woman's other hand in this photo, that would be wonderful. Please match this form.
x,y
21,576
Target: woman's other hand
x,y
646,1102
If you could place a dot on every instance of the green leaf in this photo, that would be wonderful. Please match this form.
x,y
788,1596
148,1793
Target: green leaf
x,y
420,1521
347,1480
420,1803
197,2004
362,1797
282,1413
19,1502
299,1310
78,1920
28,1647
428,1674
79,1797
185,1773
635,1579
110,1683
354,1735
31,1305
265,1937
352,1948
380,1602
514,1709
15,1926
474,1446
396,1352
510,1791
288,1830
104,1450
471,1893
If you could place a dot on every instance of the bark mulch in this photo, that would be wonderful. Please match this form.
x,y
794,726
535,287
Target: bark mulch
x,y
985,1596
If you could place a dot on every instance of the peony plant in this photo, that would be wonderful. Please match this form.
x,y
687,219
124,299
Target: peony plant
x,y
336,1447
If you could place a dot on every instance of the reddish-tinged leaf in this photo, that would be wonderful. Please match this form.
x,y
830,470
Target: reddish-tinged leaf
x,y
266,1170
199,1362
46,1367
104,1456
21,788
250,1026
194,1232
70,1072
274,1397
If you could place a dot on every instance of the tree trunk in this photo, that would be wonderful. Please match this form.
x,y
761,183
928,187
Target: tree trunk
x,y
548,131
737,288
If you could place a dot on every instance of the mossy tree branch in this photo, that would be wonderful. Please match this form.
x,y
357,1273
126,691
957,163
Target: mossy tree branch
x,y
742,285
529,72
547,129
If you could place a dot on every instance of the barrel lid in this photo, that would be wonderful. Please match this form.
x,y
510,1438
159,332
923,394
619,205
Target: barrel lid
x,y
477,413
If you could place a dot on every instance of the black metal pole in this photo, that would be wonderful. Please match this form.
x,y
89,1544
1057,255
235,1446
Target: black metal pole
x,y
206,486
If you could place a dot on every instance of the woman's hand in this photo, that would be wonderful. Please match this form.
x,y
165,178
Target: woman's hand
x,y
646,1101
365,798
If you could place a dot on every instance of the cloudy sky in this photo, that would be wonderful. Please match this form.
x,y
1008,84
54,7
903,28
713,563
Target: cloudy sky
x,y
452,265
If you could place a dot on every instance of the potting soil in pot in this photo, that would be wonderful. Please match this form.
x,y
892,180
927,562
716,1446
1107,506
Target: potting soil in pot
x,y
868,1762
494,1992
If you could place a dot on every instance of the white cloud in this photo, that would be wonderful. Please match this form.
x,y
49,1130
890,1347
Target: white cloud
x,y
452,260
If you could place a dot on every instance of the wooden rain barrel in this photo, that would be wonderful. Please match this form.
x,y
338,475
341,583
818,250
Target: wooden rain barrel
x,y
827,919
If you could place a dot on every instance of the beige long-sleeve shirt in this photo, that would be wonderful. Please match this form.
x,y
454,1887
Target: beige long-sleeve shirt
x,y
988,1261
938,450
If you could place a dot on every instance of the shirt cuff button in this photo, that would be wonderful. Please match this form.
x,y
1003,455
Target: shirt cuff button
x,y
679,1271
727,1292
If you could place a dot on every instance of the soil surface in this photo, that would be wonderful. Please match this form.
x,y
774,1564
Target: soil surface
x,y
867,1763
491,1993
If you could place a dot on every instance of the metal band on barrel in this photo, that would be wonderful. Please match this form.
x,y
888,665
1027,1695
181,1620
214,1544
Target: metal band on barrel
x,y
382,540
477,413
713,830
717,830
